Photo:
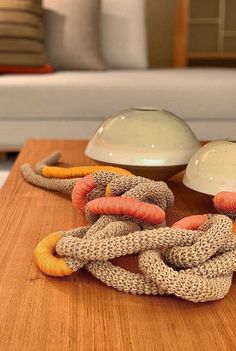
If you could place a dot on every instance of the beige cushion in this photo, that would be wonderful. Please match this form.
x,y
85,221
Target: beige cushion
x,y
124,37
192,93
72,34
72,104
21,33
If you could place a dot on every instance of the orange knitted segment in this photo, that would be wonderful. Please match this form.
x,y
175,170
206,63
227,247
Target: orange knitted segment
x,y
234,227
45,259
79,172
80,191
225,201
126,206
190,222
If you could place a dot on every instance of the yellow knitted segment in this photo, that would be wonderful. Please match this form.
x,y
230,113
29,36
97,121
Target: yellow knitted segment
x,y
75,172
108,191
45,259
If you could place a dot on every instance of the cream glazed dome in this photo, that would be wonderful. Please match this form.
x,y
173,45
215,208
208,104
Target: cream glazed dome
x,y
140,138
213,168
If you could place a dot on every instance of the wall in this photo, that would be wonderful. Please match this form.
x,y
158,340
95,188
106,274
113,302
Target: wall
x,y
161,29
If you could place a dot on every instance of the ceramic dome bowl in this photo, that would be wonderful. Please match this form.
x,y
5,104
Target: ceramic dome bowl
x,y
149,142
213,168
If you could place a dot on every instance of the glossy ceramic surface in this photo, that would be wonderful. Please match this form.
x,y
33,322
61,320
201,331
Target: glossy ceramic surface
x,y
144,137
212,168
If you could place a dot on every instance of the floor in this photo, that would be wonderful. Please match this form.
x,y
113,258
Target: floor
x,y
5,167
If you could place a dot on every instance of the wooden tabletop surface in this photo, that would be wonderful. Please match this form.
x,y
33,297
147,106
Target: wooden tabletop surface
x,y
79,312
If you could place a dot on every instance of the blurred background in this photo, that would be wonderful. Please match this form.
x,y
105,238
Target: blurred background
x,y
196,33
178,55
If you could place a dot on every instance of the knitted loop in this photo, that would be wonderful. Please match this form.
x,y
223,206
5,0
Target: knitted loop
x,y
45,259
107,227
108,248
194,259
122,280
225,202
214,238
144,200
80,191
207,278
182,284
143,189
190,222
142,211
151,192
86,185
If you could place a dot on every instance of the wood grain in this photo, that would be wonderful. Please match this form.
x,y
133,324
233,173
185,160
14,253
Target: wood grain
x,y
79,312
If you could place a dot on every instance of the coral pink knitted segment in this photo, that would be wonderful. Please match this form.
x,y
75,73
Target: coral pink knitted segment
x,y
80,191
126,206
226,201
190,222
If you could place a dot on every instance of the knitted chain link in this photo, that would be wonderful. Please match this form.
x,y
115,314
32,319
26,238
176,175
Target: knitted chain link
x,y
196,265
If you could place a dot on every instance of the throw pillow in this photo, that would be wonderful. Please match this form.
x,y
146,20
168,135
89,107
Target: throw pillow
x,y
72,34
124,41
26,69
21,35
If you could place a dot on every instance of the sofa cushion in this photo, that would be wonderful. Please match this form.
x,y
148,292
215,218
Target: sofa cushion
x,y
124,33
72,34
190,93
21,33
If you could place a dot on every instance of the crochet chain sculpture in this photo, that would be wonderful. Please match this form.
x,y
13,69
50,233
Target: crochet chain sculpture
x,y
194,259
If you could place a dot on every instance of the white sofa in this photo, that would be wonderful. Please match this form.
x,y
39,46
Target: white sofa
x,y
71,104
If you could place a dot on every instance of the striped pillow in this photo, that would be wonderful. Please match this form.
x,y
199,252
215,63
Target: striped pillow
x,y
21,33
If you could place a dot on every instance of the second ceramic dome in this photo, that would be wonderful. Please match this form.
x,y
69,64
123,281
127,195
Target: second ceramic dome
x,y
143,137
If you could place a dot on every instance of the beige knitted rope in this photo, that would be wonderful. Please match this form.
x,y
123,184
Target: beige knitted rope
x,y
191,247
48,167
102,179
196,265
110,226
64,186
209,278
139,188
93,186
50,160
64,180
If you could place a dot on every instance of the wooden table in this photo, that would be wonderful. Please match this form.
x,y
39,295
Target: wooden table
x,y
79,312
